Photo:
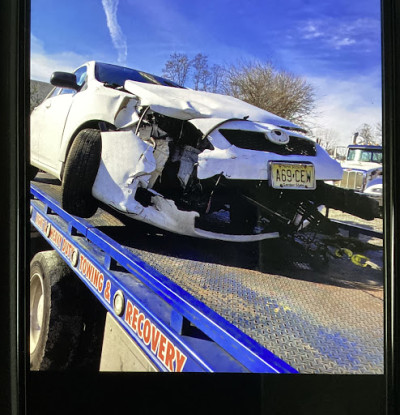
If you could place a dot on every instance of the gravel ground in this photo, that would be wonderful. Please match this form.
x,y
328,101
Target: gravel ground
x,y
375,225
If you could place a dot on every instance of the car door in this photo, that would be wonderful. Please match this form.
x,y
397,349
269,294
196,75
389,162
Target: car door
x,y
37,125
47,126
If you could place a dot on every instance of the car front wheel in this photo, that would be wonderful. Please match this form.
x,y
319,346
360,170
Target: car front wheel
x,y
80,173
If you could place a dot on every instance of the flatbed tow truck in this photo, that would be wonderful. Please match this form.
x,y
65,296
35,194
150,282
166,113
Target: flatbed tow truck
x,y
181,304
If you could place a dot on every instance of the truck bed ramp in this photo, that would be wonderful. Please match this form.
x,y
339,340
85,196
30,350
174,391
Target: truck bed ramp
x,y
196,305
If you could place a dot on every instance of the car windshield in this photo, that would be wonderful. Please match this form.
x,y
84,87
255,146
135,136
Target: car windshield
x,y
117,75
374,156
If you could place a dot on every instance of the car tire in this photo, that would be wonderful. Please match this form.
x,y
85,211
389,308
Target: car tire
x,y
80,173
55,318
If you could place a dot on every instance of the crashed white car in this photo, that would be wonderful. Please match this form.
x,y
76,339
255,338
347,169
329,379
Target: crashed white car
x,y
190,162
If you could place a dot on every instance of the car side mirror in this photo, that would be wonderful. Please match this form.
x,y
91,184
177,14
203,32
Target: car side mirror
x,y
64,80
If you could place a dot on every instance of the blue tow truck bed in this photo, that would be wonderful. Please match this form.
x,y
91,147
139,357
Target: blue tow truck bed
x,y
195,305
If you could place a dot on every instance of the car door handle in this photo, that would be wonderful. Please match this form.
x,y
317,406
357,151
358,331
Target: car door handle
x,y
48,104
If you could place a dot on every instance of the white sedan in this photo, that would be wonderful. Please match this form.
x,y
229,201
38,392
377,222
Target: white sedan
x,y
190,162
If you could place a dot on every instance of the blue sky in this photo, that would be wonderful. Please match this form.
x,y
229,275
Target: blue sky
x,y
334,44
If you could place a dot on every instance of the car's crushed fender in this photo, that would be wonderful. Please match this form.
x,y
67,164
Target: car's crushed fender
x,y
126,163
126,116
114,107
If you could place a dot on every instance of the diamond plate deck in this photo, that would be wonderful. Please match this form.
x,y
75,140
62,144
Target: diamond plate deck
x,y
330,321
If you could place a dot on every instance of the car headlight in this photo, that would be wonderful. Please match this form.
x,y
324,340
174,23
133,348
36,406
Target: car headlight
x,y
375,189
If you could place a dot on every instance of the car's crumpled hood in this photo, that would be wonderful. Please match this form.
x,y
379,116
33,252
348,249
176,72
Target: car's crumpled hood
x,y
187,104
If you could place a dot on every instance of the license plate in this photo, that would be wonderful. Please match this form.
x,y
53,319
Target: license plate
x,y
292,176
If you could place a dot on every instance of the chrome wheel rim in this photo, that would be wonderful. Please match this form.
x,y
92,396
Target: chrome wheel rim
x,y
36,310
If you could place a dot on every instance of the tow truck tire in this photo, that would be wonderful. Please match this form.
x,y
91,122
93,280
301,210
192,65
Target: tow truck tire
x,y
55,319
80,173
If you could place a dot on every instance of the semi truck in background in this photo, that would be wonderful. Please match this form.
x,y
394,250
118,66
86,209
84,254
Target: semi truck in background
x,y
362,169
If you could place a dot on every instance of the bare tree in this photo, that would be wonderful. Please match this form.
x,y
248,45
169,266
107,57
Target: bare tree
x,y
279,92
177,68
365,134
378,133
205,78
327,138
35,97
39,91
217,73
201,73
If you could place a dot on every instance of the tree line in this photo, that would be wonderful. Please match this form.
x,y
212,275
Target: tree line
x,y
363,134
261,84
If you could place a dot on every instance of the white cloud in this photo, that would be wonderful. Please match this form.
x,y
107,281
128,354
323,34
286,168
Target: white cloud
x,y
343,105
177,32
341,34
311,32
44,64
117,36
339,42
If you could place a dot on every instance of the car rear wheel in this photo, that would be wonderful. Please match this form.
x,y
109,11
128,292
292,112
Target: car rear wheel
x,y
80,173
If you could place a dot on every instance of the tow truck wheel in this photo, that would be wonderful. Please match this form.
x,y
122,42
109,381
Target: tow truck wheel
x,y
55,320
80,173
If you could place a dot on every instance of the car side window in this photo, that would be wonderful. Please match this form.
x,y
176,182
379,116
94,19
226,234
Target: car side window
x,y
81,74
67,91
54,93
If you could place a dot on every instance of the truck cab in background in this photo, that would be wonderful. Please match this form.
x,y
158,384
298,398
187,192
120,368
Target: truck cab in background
x,y
362,169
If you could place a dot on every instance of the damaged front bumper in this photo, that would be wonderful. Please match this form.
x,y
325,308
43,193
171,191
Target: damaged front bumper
x,y
223,194
128,164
